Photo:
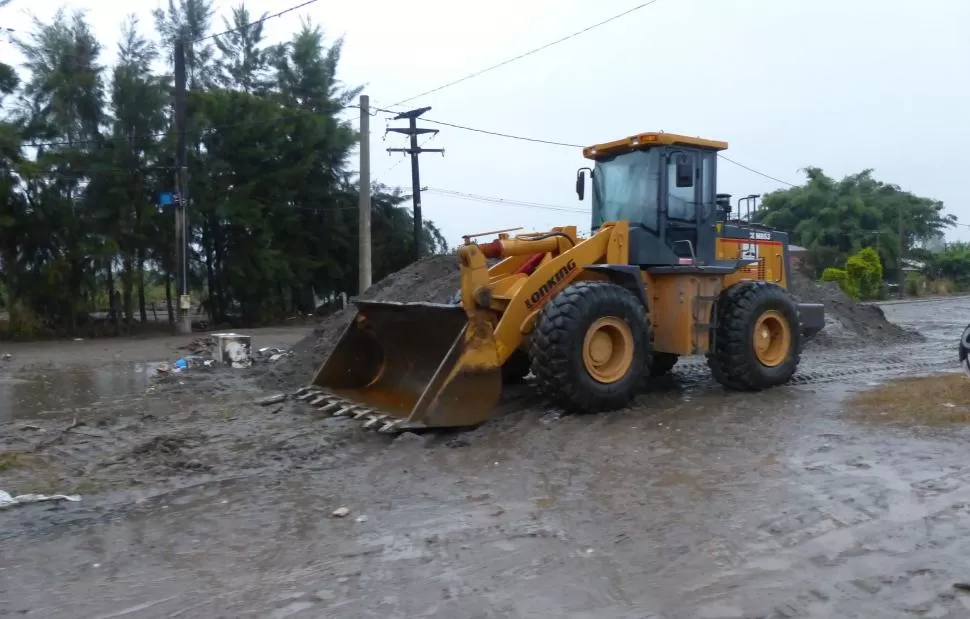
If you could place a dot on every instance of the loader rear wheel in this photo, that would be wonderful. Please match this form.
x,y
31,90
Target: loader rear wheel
x,y
757,343
591,347
662,362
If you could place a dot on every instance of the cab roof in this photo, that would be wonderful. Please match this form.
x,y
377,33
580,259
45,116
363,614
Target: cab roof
x,y
646,140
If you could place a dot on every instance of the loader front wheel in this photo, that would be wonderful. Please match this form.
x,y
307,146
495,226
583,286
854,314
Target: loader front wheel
x,y
758,341
591,347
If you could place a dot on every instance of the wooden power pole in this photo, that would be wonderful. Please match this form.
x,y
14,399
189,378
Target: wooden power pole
x,y
184,322
363,228
902,246
415,150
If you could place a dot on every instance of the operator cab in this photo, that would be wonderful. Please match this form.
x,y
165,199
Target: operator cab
x,y
664,185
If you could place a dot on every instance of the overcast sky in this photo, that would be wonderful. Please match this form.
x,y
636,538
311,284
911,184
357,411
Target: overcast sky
x,y
840,84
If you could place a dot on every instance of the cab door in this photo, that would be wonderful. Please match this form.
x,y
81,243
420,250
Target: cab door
x,y
681,189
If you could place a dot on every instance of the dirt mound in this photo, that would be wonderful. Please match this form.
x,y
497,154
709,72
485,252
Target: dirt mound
x,y
846,322
434,279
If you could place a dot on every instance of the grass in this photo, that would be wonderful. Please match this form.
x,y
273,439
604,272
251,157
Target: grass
x,y
10,460
942,399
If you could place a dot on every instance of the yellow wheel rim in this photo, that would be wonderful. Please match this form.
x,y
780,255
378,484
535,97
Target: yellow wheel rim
x,y
608,349
772,338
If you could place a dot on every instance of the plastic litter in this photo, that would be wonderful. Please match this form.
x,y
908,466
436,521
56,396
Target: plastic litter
x,y
7,500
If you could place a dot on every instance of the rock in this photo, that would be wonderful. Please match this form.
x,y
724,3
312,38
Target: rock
x,y
340,512
361,519
273,399
409,438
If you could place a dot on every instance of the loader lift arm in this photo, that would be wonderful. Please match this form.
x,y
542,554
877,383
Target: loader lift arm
x,y
510,297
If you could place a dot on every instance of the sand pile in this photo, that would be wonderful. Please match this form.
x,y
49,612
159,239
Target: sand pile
x,y
848,322
434,279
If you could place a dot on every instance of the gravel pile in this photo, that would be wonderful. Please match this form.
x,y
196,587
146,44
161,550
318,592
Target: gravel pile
x,y
848,322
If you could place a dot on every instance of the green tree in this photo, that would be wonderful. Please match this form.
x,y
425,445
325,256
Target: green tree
x,y
272,200
834,219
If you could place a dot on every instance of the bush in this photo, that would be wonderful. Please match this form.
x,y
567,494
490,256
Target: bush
x,y
22,323
915,284
942,286
864,271
841,277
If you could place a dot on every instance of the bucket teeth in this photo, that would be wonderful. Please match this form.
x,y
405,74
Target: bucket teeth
x,y
336,406
320,398
373,420
306,393
390,426
332,405
346,411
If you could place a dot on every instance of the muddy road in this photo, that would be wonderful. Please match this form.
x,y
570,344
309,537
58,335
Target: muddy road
x,y
692,503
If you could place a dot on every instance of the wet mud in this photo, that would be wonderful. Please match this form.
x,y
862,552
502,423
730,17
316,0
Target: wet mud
x,y
693,502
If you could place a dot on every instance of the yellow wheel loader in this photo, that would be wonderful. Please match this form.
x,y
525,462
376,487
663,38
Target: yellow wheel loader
x,y
668,270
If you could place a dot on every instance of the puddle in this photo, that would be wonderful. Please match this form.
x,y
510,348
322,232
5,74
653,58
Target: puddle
x,y
57,391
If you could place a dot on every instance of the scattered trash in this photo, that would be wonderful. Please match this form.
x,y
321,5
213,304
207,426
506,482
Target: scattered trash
x,y
6,500
7,356
273,354
361,519
273,399
200,346
340,512
233,349
165,368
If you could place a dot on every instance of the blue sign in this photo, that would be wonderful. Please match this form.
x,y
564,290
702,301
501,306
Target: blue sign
x,y
165,199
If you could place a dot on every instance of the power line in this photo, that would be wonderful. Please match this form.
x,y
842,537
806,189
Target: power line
x,y
569,144
506,201
528,53
741,165
258,21
504,135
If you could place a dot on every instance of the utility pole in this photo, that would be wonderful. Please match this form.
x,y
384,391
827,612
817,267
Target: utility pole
x,y
363,227
415,150
183,324
902,245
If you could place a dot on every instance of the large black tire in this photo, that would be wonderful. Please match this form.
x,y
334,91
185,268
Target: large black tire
x,y
558,342
733,360
662,362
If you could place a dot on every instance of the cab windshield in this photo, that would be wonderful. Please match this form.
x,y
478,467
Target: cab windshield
x,y
627,187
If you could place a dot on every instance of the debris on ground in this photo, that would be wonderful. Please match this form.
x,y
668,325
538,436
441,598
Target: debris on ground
x,y
340,512
199,346
846,321
7,500
273,399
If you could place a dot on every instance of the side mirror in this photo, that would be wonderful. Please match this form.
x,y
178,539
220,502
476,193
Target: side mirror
x,y
685,171
580,184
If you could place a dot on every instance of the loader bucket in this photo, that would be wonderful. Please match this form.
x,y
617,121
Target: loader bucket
x,y
424,364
